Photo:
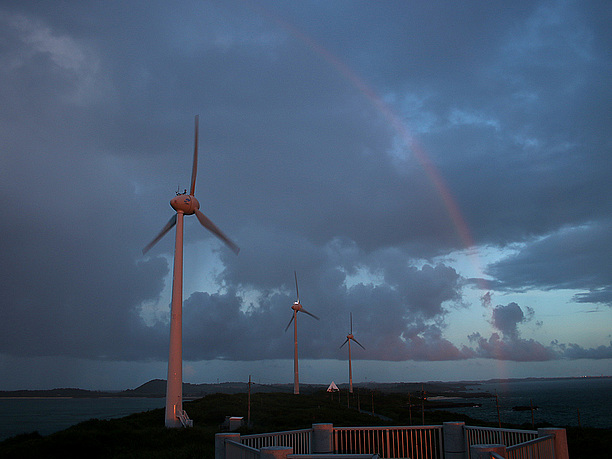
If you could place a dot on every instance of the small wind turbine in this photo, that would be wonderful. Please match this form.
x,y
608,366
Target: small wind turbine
x,y
348,340
184,204
297,307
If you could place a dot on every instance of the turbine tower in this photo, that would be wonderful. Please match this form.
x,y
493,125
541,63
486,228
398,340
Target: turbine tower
x,y
297,307
183,204
348,340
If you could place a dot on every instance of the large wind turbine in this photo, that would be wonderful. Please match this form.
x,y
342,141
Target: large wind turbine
x,y
348,340
297,307
184,204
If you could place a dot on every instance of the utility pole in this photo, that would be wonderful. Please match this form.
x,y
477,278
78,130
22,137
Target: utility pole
x,y
410,408
372,402
497,404
249,403
422,405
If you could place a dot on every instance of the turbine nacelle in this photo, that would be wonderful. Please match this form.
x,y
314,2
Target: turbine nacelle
x,y
185,203
297,307
350,337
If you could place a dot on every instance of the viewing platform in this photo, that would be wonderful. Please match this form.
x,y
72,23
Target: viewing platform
x,y
452,440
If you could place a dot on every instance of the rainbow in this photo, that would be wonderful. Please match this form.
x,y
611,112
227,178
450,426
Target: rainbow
x,y
400,128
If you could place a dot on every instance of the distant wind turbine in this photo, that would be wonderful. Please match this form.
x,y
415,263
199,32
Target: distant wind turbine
x,y
348,340
297,307
184,204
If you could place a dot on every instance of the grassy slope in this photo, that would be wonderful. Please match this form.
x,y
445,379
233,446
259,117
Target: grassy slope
x,y
143,435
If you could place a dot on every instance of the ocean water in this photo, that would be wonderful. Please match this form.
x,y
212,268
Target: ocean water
x,y
49,415
561,402
558,402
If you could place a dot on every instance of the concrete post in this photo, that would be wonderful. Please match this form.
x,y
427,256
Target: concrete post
x,y
454,440
276,452
560,440
220,443
322,441
484,451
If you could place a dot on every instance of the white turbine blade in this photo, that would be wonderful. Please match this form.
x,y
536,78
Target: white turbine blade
x,y
359,343
309,313
194,167
345,341
296,287
287,327
162,233
351,322
210,226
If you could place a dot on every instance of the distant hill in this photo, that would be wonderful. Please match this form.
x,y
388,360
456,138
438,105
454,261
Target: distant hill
x,y
157,388
153,388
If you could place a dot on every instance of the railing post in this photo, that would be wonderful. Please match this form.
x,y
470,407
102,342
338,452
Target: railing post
x,y
559,440
454,440
322,440
484,451
220,443
275,452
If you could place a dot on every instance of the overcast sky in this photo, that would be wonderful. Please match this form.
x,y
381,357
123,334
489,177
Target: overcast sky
x,y
441,170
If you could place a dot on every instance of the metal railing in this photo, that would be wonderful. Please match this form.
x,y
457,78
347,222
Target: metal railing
x,y
299,440
332,456
493,435
538,448
183,417
235,450
422,442
414,442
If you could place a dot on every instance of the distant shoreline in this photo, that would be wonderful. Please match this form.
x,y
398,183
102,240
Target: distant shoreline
x,y
157,388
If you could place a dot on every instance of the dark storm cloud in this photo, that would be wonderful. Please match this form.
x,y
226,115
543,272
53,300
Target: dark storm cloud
x,y
518,349
301,168
510,345
400,317
506,318
574,351
571,258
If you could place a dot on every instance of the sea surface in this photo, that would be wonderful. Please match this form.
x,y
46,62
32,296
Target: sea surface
x,y
561,402
49,415
585,402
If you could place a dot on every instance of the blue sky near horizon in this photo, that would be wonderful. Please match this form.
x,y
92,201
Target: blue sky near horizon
x,y
441,171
